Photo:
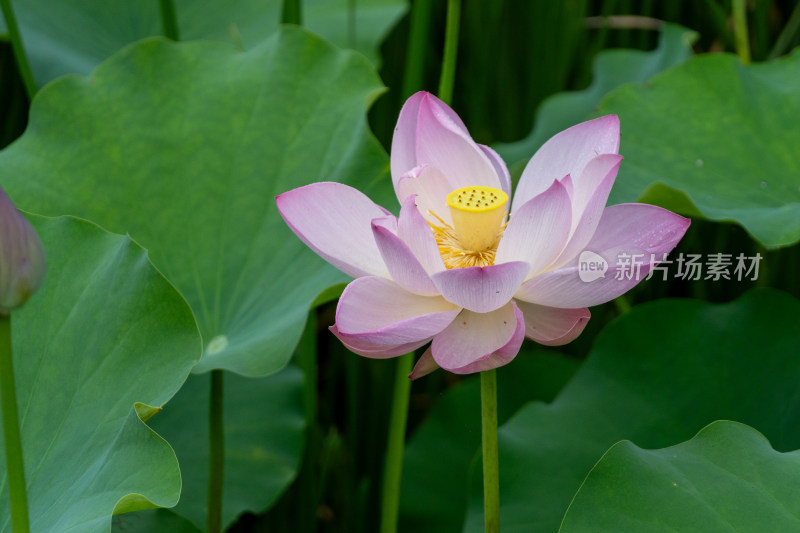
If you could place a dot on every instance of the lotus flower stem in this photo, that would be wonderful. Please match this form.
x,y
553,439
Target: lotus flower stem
x,y
216,455
169,21
291,12
19,50
447,78
491,474
14,464
393,467
740,31
763,272
308,482
414,72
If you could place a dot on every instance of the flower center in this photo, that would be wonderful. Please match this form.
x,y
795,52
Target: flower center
x,y
478,214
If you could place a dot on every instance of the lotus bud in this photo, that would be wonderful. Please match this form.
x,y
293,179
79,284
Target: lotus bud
x,y
22,260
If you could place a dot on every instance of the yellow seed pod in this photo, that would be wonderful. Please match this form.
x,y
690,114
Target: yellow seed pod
x,y
477,214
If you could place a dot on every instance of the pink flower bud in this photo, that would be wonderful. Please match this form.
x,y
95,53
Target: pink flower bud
x,y
22,261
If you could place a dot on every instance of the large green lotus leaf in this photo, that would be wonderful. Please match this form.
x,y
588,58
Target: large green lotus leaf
x,y
185,146
727,478
74,36
715,138
612,68
438,456
264,434
105,337
655,376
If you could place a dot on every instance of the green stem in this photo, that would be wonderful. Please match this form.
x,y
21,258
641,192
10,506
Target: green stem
x,y
16,469
306,359
169,21
19,51
414,73
447,79
740,31
763,273
291,12
622,303
308,483
216,465
393,467
787,34
491,472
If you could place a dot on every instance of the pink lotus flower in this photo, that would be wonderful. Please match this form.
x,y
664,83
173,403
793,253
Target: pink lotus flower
x,y
455,268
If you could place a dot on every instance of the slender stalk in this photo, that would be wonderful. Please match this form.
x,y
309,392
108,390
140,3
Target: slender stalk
x,y
450,51
393,467
491,472
216,465
361,453
417,47
308,483
763,272
19,50
169,21
17,491
740,31
622,303
291,12
788,34
306,359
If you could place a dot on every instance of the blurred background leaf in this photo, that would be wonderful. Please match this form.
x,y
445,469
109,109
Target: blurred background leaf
x,y
611,69
714,138
656,376
105,338
74,36
726,477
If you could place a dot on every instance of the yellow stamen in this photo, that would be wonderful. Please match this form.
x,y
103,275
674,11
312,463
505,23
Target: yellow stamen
x,y
478,214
